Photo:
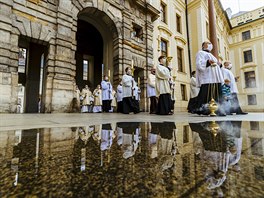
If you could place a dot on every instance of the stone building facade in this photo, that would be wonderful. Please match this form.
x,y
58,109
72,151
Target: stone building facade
x,y
247,56
61,43
171,40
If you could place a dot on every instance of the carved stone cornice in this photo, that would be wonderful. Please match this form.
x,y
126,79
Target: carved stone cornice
x,y
149,8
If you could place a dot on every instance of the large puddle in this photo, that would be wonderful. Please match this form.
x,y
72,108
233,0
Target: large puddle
x,y
131,159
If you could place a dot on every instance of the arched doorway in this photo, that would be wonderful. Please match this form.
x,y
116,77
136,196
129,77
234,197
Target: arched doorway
x,y
96,40
89,55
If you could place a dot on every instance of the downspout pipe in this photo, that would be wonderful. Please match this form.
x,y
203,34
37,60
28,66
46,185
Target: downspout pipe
x,y
147,66
188,37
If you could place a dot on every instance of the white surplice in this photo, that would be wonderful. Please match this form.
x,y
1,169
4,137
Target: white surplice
x,y
207,75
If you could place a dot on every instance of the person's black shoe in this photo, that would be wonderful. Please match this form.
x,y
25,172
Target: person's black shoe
x,y
221,114
242,113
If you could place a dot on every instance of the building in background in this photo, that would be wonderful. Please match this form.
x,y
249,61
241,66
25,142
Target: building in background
x,y
247,55
48,47
170,39
45,53
239,37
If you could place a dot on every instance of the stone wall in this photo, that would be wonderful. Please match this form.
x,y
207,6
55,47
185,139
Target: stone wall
x,y
54,23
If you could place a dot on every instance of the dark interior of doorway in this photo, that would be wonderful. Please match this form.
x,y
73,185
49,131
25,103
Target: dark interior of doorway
x,y
89,44
32,77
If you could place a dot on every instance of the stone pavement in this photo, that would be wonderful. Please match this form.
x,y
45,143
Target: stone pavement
x,y
29,121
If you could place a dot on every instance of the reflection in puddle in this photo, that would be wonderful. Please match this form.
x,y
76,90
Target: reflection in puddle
x,y
221,158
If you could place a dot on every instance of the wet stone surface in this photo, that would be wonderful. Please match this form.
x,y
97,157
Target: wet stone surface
x,y
205,159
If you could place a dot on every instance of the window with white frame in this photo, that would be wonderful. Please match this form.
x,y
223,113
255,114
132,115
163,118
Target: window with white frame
x,y
248,56
163,10
250,79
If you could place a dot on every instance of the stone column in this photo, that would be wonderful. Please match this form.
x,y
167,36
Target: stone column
x,y
212,27
127,54
50,65
64,67
149,59
8,60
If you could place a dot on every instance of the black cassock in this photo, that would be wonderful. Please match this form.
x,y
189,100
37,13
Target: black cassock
x,y
164,104
130,105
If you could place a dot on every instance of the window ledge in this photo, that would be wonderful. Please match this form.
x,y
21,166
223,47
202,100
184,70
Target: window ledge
x,y
180,38
250,87
247,65
184,73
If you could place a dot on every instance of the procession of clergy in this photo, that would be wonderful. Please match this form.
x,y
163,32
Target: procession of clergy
x,y
213,81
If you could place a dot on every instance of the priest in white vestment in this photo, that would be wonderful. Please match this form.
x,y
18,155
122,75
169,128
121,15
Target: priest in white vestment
x,y
163,91
194,91
86,103
97,108
119,97
209,79
227,73
128,85
106,94
151,92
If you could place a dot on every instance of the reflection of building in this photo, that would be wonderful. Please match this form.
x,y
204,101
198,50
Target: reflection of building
x,y
41,160
20,99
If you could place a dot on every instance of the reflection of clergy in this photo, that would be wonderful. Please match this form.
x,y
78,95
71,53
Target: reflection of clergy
x,y
153,138
165,144
85,133
214,152
166,130
106,137
216,167
221,142
235,157
119,130
130,141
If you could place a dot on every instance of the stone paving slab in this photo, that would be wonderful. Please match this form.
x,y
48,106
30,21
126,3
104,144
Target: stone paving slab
x,y
30,121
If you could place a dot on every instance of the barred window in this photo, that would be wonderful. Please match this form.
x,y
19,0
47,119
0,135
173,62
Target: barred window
x,y
252,99
207,30
180,59
164,47
250,79
248,56
183,92
254,125
246,35
178,23
163,17
85,69
186,134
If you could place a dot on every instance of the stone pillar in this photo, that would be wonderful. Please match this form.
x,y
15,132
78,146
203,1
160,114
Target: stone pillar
x,y
64,67
8,60
127,54
149,59
50,65
212,27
